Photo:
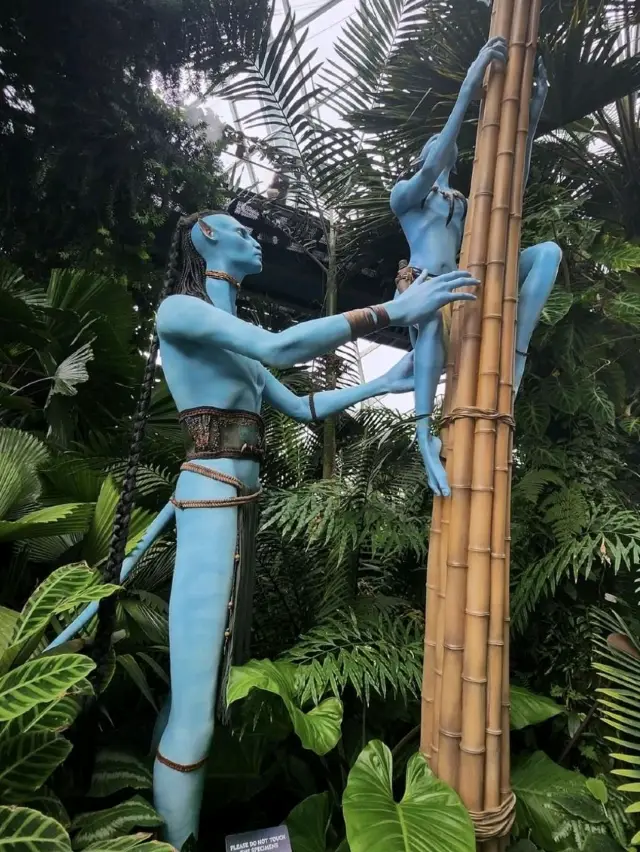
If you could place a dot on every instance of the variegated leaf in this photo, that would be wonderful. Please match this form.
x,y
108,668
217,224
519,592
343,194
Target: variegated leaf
x,y
117,770
63,590
26,830
26,761
139,842
46,801
55,716
40,681
112,822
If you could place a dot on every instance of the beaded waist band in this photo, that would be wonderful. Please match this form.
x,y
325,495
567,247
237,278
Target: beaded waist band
x,y
215,433
407,275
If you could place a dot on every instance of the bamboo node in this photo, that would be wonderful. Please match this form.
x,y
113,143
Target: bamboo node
x,y
470,750
478,680
454,735
473,413
496,822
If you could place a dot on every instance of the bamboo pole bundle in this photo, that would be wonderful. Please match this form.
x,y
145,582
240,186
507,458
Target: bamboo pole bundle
x,y
438,539
440,516
474,676
462,428
466,676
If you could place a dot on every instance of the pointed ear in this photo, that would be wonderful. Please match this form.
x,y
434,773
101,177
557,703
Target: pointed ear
x,y
206,229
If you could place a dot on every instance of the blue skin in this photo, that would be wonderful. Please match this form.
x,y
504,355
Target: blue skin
x,y
212,358
434,247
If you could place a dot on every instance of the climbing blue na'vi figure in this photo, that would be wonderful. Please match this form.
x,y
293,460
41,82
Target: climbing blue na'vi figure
x,y
216,368
432,215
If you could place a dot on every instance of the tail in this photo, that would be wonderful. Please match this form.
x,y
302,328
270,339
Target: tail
x,y
158,524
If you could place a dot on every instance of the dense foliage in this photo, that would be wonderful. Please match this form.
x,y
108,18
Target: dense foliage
x,y
95,165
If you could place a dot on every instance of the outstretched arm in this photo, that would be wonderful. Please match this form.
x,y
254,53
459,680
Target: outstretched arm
x,y
325,403
189,321
409,193
538,98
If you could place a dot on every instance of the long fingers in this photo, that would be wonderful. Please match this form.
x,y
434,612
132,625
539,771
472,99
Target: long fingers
x,y
461,297
454,275
463,279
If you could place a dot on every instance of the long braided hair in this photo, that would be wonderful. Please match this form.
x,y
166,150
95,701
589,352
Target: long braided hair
x,y
184,275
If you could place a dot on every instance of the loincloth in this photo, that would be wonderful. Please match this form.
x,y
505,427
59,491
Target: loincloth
x,y
215,433
405,278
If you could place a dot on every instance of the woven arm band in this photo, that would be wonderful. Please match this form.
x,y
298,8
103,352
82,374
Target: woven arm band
x,y
364,321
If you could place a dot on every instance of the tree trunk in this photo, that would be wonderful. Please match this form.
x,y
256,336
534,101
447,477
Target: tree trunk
x,y
329,449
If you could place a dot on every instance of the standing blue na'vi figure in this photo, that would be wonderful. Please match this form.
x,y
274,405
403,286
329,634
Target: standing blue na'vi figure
x,y
431,215
215,365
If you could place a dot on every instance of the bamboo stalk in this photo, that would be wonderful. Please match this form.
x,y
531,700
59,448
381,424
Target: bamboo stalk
x,y
474,677
497,767
462,429
434,583
437,558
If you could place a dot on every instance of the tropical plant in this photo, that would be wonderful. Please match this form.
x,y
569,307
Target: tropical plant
x,y
618,664
41,694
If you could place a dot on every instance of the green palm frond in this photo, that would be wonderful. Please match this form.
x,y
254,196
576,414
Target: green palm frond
x,y
280,74
617,651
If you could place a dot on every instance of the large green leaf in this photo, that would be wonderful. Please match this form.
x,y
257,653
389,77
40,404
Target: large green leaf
x,y
26,761
57,715
429,818
40,680
26,830
63,590
308,823
51,520
557,307
549,799
318,729
118,770
21,456
140,842
8,619
112,822
97,541
530,709
46,801
17,481
625,307
84,292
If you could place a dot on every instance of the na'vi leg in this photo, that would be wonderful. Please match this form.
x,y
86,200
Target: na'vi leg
x,y
538,272
198,614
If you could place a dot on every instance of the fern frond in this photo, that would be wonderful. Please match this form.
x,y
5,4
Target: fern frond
x,y
379,655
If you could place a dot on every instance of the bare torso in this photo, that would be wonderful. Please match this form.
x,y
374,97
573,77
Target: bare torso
x,y
204,375
434,232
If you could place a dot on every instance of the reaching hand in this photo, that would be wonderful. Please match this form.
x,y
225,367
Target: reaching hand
x,y
400,379
496,49
421,301
540,87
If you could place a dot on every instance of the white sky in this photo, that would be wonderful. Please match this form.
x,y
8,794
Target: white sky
x,y
376,359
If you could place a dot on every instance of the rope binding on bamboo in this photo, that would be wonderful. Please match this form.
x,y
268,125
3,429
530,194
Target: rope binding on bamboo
x,y
496,822
473,413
